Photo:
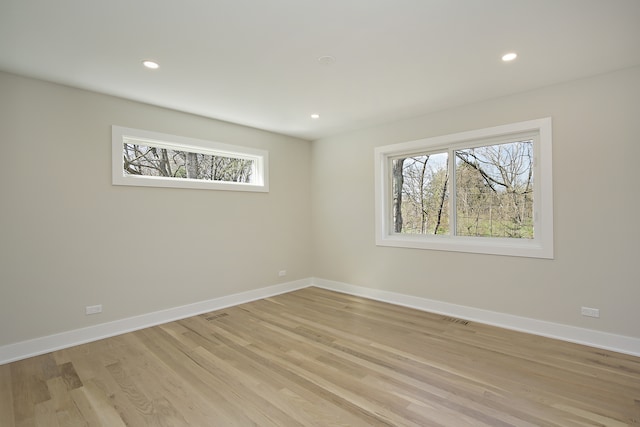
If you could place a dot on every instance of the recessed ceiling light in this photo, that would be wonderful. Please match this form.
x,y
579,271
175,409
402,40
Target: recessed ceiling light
x,y
150,64
509,56
315,116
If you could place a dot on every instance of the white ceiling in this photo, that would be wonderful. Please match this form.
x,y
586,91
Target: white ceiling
x,y
255,62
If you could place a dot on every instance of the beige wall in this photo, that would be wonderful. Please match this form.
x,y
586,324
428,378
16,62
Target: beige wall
x,y
596,151
68,238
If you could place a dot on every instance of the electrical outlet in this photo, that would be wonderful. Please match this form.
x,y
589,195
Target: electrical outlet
x,y
590,312
93,309
282,273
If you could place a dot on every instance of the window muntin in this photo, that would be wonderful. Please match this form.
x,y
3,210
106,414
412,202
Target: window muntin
x,y
497,183
143,158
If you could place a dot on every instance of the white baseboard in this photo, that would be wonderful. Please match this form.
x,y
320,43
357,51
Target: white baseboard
x,y
37,346
42,345
589,337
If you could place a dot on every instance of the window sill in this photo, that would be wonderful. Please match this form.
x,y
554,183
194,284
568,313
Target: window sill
x,y
481,245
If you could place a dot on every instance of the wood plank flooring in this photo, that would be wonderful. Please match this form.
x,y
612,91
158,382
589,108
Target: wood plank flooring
x,y
319,358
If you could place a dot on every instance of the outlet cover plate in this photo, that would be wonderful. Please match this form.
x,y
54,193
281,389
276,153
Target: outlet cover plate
x,y
93,309
590,312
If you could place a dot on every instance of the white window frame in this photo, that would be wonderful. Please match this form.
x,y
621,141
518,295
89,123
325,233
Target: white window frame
x,y
120,135
541,246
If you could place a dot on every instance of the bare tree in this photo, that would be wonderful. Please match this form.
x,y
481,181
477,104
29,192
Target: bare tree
x,y
501,179
192,165
493,191
443,198
398,183
153,161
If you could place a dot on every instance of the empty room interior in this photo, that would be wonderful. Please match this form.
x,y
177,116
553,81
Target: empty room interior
x,y
295,213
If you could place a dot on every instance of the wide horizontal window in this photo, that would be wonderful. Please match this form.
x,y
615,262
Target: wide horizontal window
x,y
143,158
486,191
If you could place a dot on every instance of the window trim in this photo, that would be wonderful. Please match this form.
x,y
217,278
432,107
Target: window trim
x,y
120,134
541,246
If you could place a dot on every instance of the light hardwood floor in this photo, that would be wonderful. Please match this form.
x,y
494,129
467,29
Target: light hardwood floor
x,y
318,358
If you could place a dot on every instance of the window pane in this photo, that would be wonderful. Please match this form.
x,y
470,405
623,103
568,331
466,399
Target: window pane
x,y
494,190
420,194
163,162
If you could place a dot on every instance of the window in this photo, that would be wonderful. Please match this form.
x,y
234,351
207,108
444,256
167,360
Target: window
x,y
144,158
485,191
